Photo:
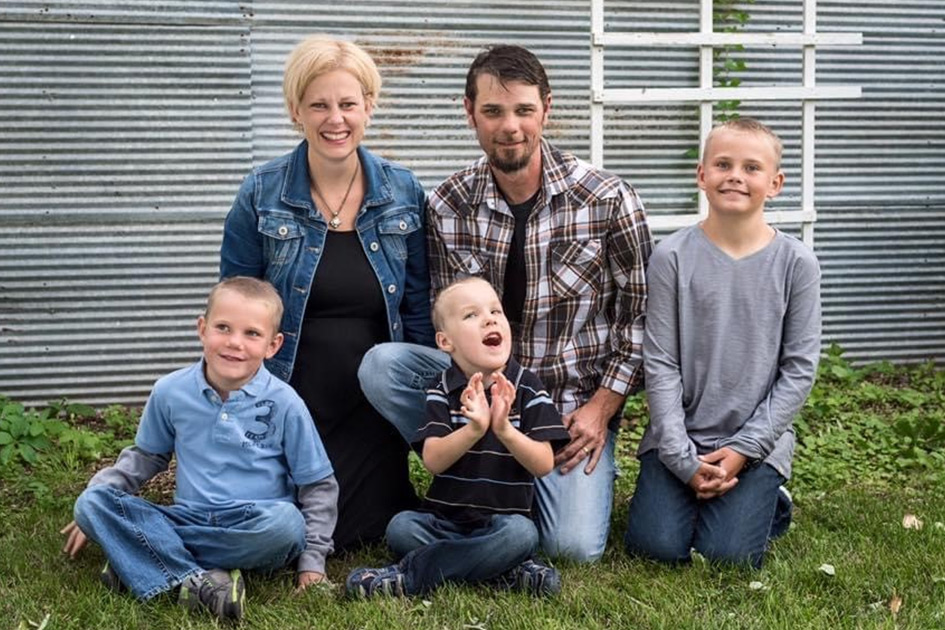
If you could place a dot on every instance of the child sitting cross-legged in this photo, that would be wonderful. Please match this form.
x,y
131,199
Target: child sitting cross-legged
x,y
490,431
254,487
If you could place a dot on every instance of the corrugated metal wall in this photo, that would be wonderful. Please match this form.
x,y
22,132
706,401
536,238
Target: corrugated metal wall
x,y
125,128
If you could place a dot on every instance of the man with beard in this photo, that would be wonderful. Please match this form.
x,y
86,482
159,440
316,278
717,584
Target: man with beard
x,y
566,245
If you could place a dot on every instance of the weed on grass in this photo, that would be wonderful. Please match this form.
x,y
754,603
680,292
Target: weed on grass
x,y
869,487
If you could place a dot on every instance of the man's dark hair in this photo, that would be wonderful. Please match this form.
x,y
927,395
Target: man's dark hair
x,y
508,63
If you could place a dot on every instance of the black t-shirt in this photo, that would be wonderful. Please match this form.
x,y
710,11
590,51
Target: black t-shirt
x,y
513,293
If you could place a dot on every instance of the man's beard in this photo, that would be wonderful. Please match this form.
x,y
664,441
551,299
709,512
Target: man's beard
x,y
498,162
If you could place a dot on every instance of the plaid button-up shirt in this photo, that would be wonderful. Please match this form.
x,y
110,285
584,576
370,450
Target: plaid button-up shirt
x,y
586,248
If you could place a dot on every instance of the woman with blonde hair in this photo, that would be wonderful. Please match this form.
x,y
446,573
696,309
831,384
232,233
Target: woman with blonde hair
x,y
339,232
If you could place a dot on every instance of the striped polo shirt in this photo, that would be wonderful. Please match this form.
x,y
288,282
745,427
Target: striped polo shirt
x,y
487,479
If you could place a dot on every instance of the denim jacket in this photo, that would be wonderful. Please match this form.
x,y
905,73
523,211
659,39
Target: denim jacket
x,y
273,231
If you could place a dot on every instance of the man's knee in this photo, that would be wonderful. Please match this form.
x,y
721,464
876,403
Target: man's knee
x,y
374,368
584,548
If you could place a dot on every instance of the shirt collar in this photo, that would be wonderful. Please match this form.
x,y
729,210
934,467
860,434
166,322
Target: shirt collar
x,y
556,177
455,379
296,187
254,387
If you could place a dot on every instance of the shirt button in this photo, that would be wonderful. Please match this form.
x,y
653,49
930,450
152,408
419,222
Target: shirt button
x,y
392,289
375,246
224,416
283,230
403,225
396,325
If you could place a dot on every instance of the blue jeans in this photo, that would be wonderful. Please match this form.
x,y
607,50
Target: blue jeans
x,y
153,548
666,519
433,550
573,510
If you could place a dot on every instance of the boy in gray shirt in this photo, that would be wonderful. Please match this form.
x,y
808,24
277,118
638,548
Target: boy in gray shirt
x,y
730,350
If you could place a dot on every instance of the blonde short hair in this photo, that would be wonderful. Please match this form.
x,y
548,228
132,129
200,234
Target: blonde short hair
x,y
749,125
251,289
320,54
437,312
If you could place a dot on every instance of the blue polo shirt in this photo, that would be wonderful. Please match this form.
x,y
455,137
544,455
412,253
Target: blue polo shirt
x,y
258,445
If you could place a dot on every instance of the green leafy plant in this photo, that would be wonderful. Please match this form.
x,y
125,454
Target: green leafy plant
x,y
25,433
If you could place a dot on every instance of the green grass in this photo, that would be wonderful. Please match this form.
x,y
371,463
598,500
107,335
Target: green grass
x,y
849,514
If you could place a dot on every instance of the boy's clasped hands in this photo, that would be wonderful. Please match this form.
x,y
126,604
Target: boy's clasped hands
x,y
718,473
476,406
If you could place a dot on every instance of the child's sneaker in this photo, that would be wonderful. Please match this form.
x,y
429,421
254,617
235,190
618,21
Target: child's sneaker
x,y
782,514
110,579
366,582
533,578
222,592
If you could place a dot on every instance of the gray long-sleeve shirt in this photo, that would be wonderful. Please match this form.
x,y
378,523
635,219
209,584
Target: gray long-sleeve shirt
x,y
730,349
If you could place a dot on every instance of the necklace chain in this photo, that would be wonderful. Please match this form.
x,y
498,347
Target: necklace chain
x,y
334,223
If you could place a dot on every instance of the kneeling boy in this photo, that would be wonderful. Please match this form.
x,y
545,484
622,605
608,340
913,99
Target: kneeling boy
x,y
247,451
730,349
490,431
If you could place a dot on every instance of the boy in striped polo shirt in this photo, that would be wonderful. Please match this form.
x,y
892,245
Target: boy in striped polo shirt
x,y
491,428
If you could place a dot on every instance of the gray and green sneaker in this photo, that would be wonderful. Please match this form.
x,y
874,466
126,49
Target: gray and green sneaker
x,y
220,591
110,579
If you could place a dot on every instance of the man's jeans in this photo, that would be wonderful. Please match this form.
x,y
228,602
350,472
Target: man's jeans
x,y
433,550
573,510
153,548
666,519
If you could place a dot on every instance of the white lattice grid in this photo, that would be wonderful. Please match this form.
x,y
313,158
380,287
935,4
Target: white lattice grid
x,y
706,39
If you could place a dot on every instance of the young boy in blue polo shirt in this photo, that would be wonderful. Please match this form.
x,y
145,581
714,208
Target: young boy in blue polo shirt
x,y
731,348
255,489
490,430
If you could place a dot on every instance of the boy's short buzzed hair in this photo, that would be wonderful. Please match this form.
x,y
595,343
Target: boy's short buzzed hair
x,y
749,125
252,289
437,314
508,63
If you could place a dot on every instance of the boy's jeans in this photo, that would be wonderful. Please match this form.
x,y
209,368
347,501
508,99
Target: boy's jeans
x,y
153,548
573,510
666,519
434,550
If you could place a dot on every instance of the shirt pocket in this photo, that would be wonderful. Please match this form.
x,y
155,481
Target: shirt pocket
x,y
464,263
576,269
283,236
393,232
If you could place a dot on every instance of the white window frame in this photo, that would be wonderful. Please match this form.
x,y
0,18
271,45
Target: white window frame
x,y
706,39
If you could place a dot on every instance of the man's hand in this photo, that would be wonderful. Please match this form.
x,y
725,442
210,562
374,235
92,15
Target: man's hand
x,y
475,407
75,539
588,428
308,578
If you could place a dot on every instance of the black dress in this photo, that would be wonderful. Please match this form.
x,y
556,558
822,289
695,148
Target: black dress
x,y
345,316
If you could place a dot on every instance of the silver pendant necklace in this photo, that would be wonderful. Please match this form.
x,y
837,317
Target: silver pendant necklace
x,y
335,222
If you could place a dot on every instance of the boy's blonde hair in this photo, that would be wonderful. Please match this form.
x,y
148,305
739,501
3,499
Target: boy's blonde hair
x,y
318,55
437,314
251,289
749,125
